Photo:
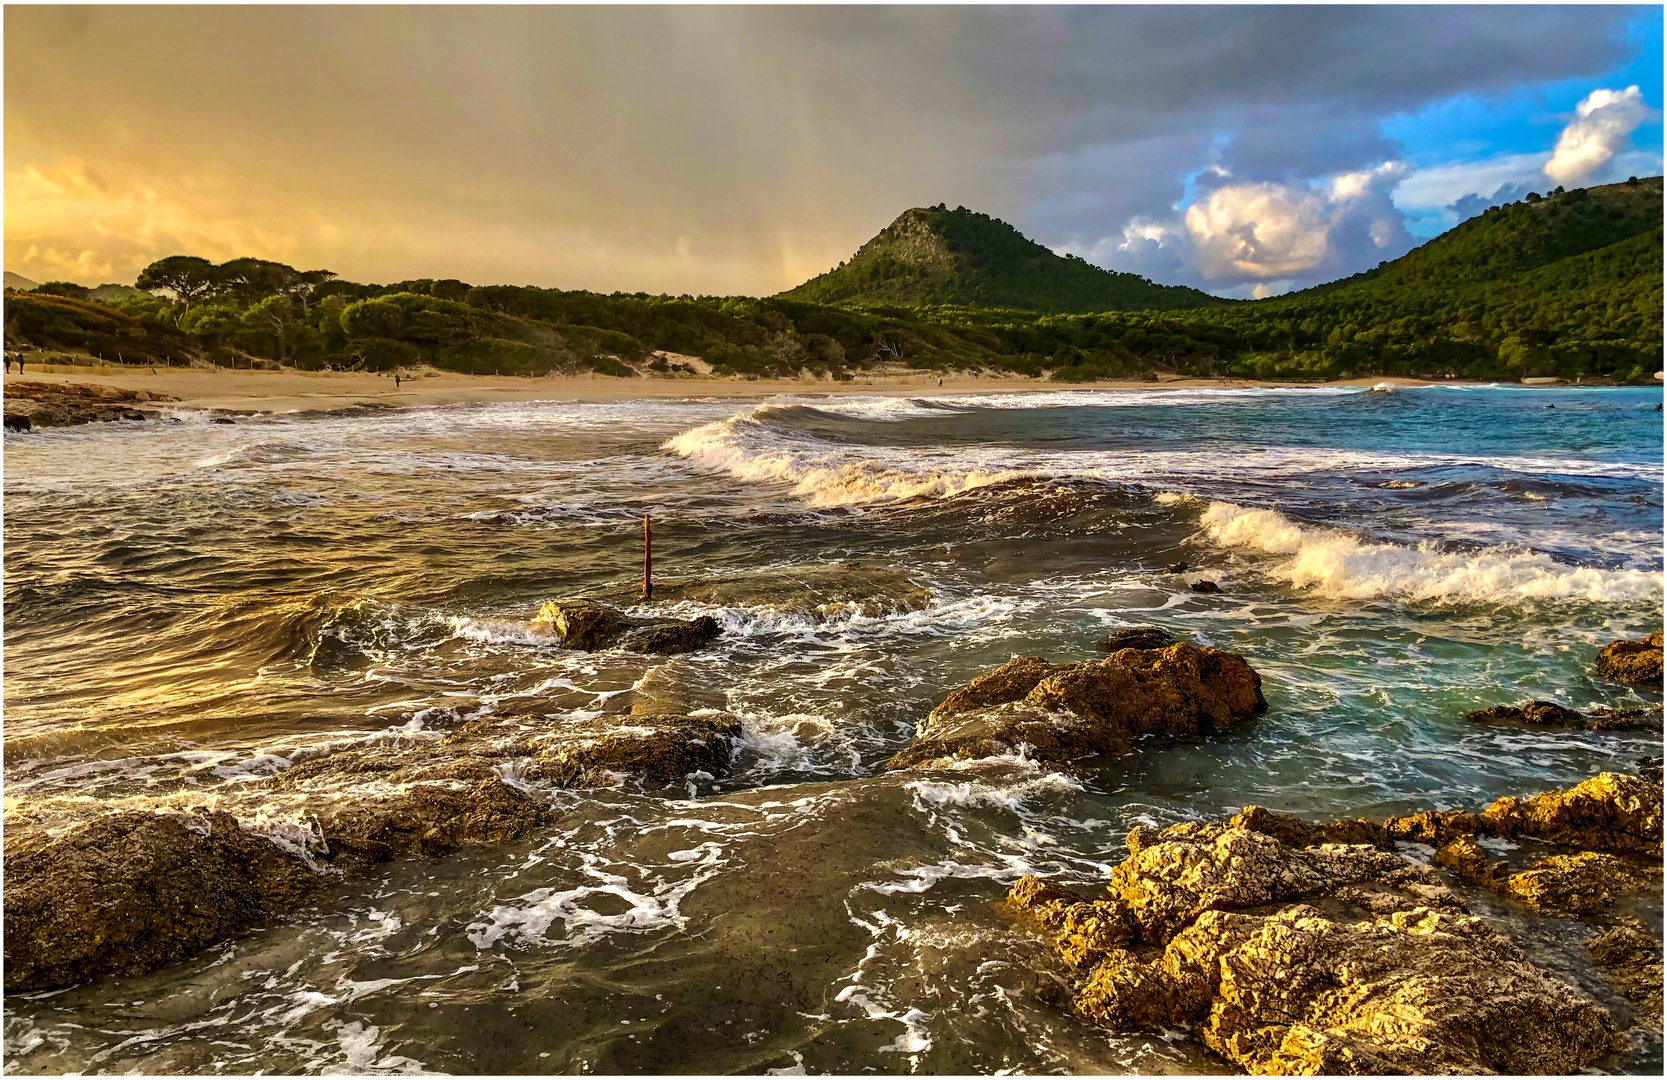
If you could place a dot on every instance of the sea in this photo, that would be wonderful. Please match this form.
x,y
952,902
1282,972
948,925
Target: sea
x,y
192,607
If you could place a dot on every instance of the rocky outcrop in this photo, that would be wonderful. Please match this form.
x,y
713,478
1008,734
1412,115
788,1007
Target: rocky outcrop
x,y
589,625
1207,587
132,891
1290,954
1631,961
1612,812
1636,662
45,404
1061,712
1551,714
1136,637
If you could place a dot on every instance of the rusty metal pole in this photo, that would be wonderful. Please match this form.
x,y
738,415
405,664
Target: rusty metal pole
x,y
647,560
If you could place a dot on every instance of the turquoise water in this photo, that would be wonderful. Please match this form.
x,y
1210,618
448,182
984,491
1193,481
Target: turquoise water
x,y
192,607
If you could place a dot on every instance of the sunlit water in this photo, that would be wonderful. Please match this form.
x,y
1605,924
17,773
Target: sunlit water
x,y
190,607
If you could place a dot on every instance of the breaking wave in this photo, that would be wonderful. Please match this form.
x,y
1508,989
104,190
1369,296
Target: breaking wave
x,y
1338,563
825,473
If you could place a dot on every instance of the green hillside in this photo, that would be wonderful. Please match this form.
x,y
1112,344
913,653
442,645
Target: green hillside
x,y
1569,285
934,255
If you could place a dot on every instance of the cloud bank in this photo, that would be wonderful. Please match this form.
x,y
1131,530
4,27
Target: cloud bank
x,y
743,149
1603,123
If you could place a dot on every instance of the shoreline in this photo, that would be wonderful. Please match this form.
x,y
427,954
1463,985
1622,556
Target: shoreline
x,y
291,390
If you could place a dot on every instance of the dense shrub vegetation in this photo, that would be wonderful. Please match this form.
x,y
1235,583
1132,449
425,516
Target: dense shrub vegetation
x,y
1569,285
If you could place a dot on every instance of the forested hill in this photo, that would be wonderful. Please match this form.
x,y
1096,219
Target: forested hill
x,y
1567,285
934,255
1570,283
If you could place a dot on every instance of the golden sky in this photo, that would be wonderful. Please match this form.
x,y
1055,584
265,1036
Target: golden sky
x,y
744,149
662,150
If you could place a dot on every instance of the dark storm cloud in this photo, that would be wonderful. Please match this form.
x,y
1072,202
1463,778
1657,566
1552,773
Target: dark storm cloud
x,y
700,149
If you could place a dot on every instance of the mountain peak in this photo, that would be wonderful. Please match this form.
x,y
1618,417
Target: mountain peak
x,y
932,255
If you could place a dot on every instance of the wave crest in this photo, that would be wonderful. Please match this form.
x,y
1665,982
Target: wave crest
x,y
1337,563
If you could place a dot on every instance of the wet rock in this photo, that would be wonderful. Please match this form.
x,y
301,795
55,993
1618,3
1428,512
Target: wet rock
x,y
1300,956
1650,768
132,891
1294,831
1176,568
658,749
1637,662
44,404
1467,859
1609,812
672,637
1062,712
1551,714
1581,883
1305,992
1612,812
431,819
1009,682
583,624
1206,587
17,422
1136,637
1631,961
589,625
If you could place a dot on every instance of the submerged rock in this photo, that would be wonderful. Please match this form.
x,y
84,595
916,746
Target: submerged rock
x,y
658,749
589,625
1136,637
1062,712
1551,714
1637,662
1288,954
1207,587
1631,961
132,891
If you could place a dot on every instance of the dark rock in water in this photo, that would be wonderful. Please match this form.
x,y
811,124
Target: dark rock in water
x,y
1205,587
17,422
1637,662
588,625
1061,712
1137,637
221,420
430,819
1611,812
132,891
1631,961
583,624
1534,712
1650,768
673,637
1290,958
1176,568
44,404
659,749
1551,714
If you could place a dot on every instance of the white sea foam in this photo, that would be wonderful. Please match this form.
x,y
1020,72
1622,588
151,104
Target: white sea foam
x,y
1338,563
825,473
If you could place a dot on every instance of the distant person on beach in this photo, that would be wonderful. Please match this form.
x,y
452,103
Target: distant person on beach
x,y
396,380
8,365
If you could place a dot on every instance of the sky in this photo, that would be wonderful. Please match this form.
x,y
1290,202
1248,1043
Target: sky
x,y
741,150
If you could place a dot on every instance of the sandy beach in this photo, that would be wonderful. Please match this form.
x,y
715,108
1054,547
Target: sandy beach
x,y
301,391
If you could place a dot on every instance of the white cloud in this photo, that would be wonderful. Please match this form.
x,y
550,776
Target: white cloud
x,y
1602,125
